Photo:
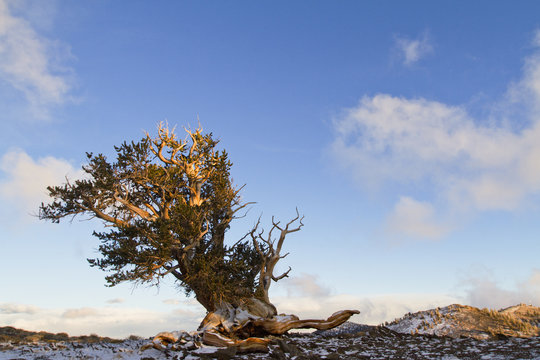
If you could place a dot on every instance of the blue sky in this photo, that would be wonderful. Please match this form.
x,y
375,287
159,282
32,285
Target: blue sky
x,y
408,134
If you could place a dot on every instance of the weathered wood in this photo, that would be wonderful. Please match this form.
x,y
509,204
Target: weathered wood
x,y
237,326
247,327
251,344
270,252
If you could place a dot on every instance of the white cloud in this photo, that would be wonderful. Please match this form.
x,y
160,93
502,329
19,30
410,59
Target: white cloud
x,y
305,285
28,62
412,50
415,219
482,291
414,139
470,163
25,180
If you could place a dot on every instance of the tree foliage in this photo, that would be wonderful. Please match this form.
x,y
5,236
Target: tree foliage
x,y
168,203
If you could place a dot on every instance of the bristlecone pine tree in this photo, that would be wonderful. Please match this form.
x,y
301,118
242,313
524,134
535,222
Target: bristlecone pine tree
x,y
168,203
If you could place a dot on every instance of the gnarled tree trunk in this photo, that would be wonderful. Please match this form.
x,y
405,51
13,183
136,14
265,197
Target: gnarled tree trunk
x,y
247,326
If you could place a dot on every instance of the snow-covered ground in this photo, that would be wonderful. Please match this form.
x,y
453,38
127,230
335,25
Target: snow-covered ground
x,y
375,343
126,350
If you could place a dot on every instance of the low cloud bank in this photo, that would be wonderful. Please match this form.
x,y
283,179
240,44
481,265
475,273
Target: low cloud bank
x,y
374,310
116,322
120,322
305,297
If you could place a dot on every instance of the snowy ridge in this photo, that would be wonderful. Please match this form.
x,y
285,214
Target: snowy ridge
x,y
430,322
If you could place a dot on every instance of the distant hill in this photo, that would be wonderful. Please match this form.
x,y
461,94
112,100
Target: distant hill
x,y
460,320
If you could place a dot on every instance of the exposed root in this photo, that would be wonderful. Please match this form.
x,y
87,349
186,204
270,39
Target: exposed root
x,y
283,324
252,344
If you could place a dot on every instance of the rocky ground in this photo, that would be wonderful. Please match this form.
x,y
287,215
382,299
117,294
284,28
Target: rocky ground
x,y
368,343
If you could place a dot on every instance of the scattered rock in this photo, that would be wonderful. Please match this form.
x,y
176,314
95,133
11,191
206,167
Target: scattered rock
x,y
333,357
278,354
225,353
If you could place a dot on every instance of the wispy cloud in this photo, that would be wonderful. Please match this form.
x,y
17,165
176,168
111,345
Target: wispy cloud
x,y
32,64
171,301
412,50
79,313
11,308
25,180
415,219
471,164
116,301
